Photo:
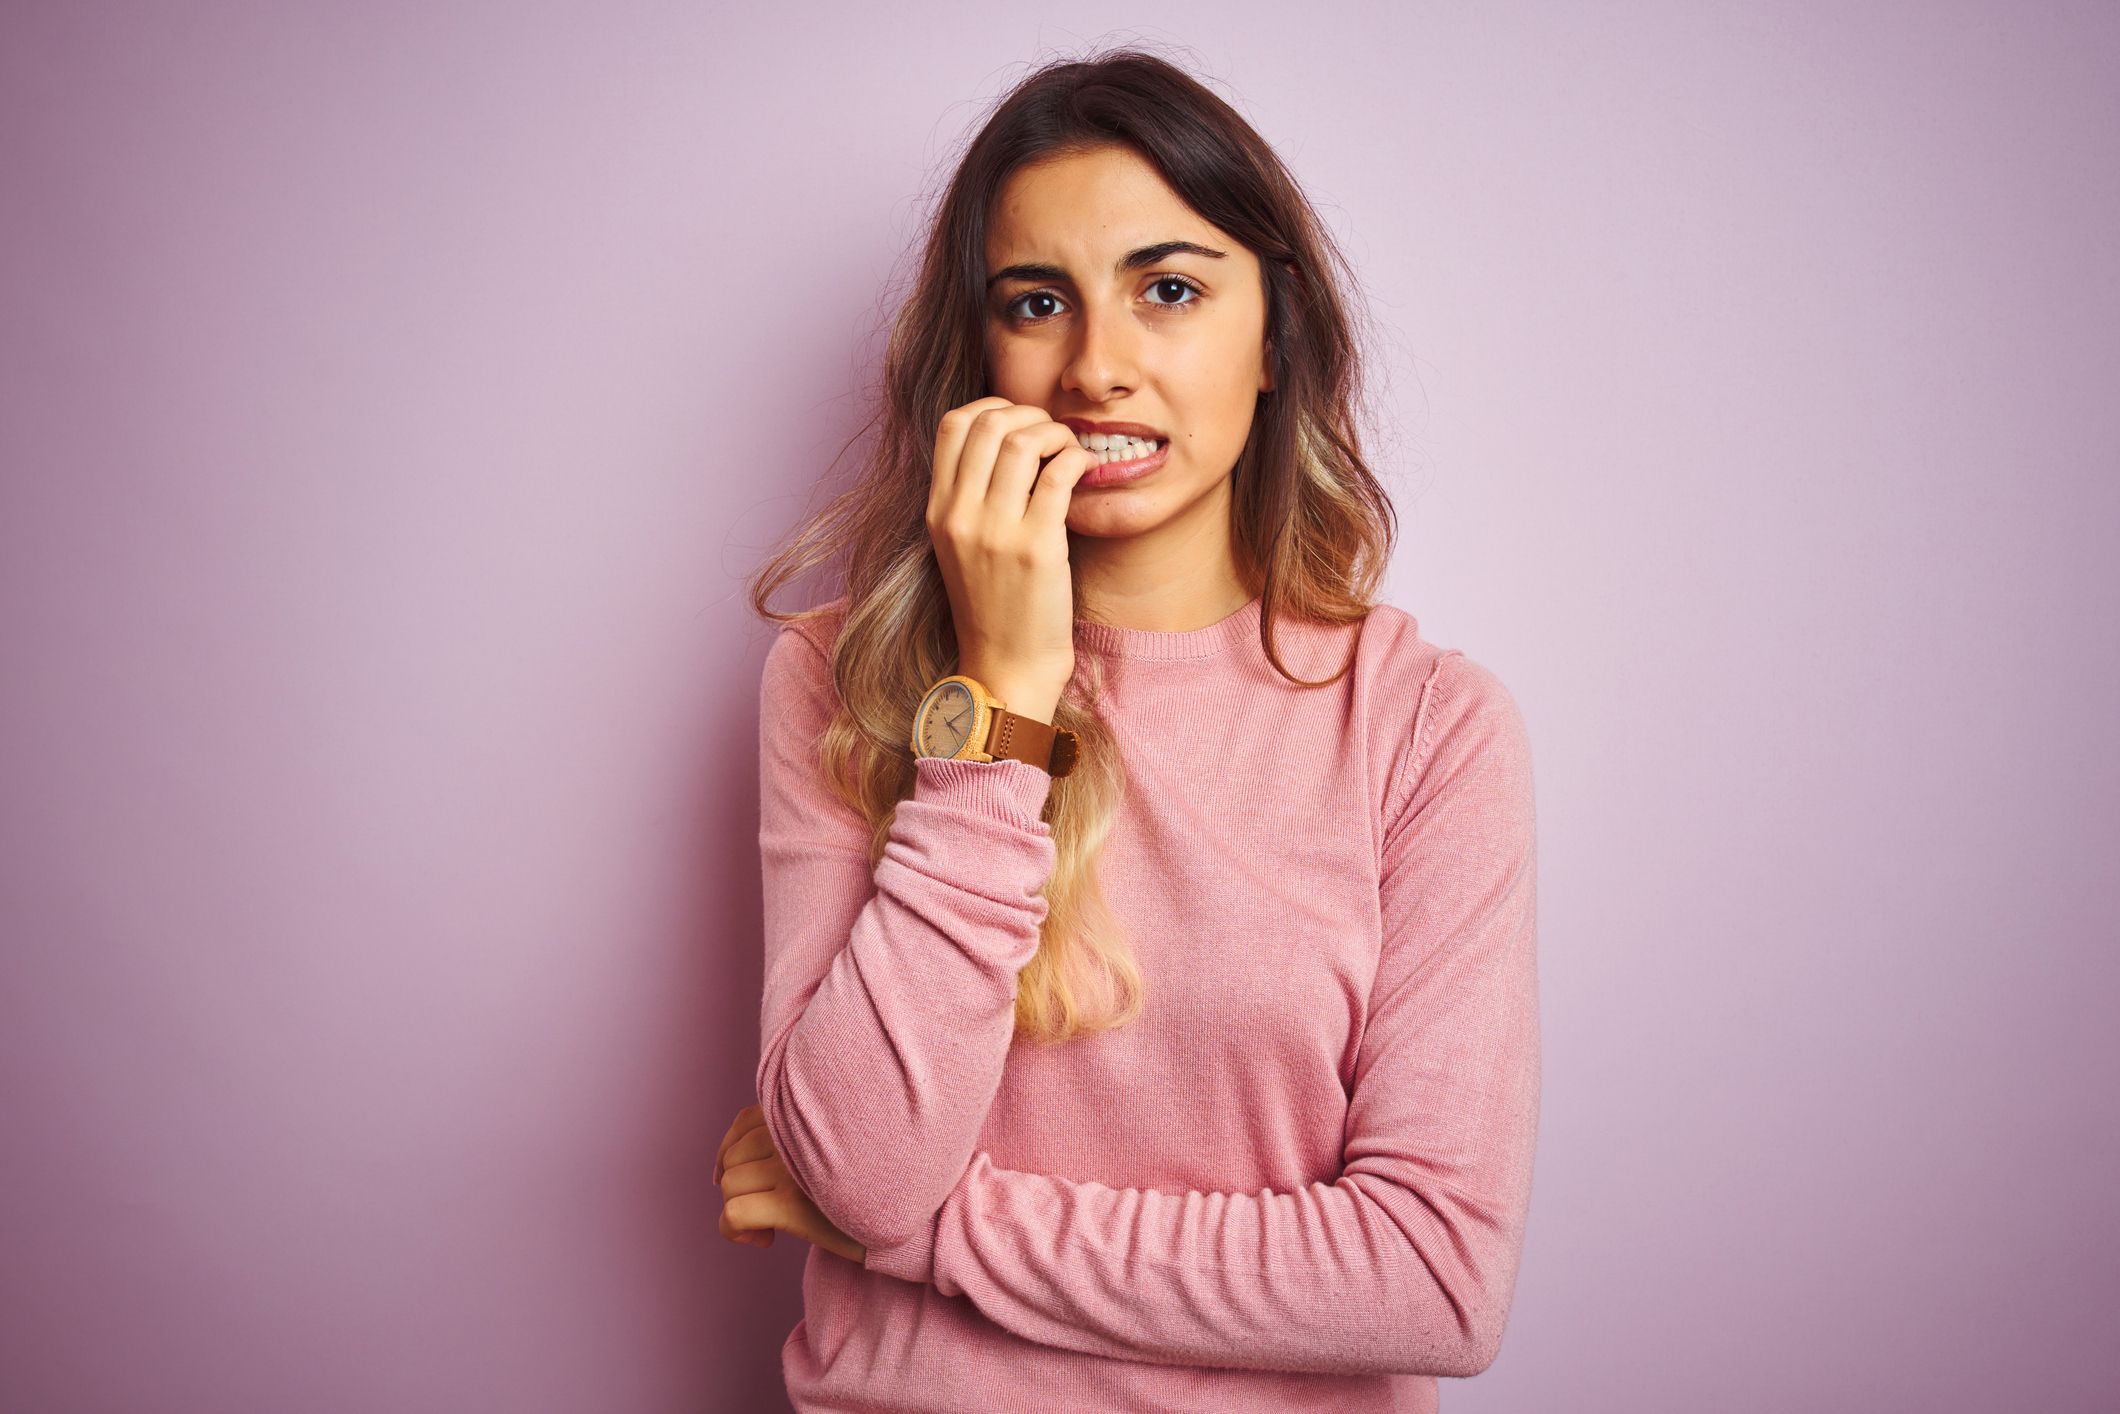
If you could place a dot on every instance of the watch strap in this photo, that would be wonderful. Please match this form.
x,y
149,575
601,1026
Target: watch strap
x,y
1031,741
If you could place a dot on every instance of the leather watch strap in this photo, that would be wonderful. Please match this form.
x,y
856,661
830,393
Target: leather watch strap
x,y
1031,741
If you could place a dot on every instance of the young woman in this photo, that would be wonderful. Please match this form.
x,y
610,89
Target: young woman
x,y
1149,1008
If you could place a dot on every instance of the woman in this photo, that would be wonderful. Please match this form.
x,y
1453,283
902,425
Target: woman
x,y
1149,1009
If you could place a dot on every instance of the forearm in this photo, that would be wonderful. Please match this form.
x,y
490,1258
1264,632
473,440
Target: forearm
x,y
1361,1276
876,1084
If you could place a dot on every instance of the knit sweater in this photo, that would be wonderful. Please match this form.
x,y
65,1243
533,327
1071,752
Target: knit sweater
x,y
1299,1180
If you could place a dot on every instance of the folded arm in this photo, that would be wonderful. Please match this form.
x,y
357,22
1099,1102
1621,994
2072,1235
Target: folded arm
x,y
1407,1262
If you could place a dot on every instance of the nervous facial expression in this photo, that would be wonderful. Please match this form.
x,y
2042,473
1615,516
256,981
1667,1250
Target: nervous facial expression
x,y
1119,310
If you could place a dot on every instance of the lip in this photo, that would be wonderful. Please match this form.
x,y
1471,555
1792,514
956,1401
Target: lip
x,y
1082,427
1119,473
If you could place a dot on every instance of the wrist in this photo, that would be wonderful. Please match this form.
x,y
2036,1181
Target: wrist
x,y
1024,694
965,716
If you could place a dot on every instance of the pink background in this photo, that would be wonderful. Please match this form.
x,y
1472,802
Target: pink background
x,y
395,396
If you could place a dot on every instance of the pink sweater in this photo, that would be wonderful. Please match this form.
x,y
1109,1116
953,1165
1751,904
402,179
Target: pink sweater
x,y
1299,1181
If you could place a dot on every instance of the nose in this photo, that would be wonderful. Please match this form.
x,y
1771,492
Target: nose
x,y
1104,364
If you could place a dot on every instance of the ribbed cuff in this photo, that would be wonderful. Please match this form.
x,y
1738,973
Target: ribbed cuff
x,y
911,1260
1009,791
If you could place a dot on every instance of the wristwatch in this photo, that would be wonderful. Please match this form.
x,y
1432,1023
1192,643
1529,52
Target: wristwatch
x,y
959,720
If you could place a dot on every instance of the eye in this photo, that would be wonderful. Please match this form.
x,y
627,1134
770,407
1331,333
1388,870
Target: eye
x,y
1173,290
1037,305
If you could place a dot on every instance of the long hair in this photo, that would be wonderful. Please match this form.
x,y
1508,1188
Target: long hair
x,y
1311,525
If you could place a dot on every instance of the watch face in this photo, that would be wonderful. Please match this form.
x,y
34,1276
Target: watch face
x,y
946,720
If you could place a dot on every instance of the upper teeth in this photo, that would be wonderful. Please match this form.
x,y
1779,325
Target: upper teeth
x,y
1111,447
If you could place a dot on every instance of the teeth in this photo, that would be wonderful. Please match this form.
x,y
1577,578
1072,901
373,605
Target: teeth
x,y
1113,447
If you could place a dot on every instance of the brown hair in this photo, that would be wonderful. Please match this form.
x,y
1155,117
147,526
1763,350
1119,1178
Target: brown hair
x,y
1311,524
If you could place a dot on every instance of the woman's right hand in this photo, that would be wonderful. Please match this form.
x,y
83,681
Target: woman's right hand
x,y
999,523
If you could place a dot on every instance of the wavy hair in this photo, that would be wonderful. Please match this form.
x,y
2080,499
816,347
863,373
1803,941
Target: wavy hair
x,y
1312,526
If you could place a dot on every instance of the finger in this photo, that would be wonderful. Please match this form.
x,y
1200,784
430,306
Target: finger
x,y
748,1148
1055,490
975,465
747,1237
955,426
748,1118
747,1213
756,1177
774,1209
1016,466
791,1213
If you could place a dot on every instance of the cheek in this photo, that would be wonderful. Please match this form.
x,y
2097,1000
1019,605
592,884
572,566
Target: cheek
x,y
1220,395
1021,370
1221,370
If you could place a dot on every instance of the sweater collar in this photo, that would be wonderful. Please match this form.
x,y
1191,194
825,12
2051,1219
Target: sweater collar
x,y
1141,643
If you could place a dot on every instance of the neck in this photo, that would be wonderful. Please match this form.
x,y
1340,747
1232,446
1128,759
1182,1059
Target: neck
x,y
1181,577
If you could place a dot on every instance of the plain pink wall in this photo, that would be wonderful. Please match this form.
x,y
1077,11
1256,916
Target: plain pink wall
x,y
395,396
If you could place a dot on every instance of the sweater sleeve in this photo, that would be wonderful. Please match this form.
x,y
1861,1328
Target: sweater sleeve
x,y
889,993
1407,1262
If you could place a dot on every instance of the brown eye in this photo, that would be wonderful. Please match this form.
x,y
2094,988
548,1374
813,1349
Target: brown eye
x,y
1038,304
1171,290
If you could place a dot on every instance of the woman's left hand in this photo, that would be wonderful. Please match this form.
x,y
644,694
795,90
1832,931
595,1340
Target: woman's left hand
x,y
760,1197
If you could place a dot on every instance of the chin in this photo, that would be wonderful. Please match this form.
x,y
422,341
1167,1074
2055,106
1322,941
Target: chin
x,y
1114,522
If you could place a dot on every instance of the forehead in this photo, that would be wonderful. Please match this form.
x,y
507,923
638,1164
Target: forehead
x,y
1091,207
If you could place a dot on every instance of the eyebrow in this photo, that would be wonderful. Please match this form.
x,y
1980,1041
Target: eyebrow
x,y
1132,260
